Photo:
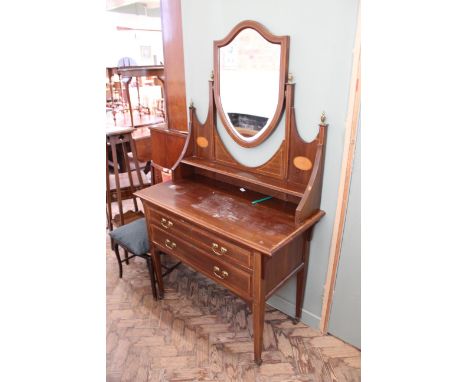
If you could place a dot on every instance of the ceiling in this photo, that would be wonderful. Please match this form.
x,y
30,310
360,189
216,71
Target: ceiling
x,y
149,8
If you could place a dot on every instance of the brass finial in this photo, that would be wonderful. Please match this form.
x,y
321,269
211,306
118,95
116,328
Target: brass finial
x,y
290,78
212,76
323,117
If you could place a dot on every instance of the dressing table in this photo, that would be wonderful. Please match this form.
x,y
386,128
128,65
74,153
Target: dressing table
x,y
205,217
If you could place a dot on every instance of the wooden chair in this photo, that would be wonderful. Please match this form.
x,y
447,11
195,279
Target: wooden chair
x,y
130,231
123,184
133,238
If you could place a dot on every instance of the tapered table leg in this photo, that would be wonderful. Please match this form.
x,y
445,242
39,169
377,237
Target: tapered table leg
x,y
300,289
258,308
157,268
302,276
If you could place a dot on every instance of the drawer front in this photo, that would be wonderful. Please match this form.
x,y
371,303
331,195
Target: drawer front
x,y
224,273
221,248
210,243
166,221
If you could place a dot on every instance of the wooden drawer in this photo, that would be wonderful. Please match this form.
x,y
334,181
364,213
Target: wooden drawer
x,y
213,245
167,221
221,248
224,273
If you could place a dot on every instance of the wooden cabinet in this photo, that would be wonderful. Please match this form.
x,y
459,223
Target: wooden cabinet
x,y
208,218
205,218
214,228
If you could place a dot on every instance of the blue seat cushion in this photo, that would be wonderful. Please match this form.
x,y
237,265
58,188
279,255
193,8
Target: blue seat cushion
x,y
132,236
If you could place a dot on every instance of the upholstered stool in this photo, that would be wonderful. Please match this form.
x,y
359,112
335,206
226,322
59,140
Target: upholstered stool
x,y
133,238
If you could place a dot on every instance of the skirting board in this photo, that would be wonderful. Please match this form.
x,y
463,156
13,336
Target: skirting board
x,y
288,308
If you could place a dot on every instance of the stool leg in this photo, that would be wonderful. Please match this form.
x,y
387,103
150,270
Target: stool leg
x,y
152,278
119,260
126,257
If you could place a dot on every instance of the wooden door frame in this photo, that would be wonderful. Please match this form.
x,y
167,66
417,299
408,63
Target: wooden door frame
x,y
354,105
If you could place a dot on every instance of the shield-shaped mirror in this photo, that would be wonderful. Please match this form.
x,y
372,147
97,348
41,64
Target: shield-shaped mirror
x,y
250,74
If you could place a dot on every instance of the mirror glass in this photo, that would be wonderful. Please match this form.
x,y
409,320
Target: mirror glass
x,y
249,82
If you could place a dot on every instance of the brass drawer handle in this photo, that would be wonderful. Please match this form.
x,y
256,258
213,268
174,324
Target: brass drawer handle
x,y
214,248
166,223
223,275
170,244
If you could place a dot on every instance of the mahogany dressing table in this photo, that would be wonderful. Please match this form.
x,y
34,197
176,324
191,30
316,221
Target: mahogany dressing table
x,y
205,217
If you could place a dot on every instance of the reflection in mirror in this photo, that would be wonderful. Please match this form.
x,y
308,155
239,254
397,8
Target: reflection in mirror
x,y
249,73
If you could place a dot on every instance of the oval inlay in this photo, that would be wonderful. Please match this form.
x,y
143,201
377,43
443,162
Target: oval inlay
x,y
302,163
202,142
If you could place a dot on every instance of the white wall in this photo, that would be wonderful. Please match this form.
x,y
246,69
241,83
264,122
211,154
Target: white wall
x,y
127,43
322,37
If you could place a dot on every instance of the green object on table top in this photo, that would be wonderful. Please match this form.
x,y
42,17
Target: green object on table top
x,y
262,199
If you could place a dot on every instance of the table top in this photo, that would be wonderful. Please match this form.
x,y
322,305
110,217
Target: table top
x,y
137,132
139,71
224,208
115,130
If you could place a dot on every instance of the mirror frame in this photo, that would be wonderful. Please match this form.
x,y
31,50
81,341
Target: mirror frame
x,y
283,41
